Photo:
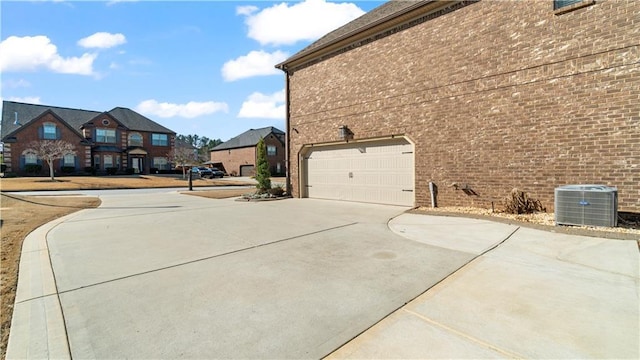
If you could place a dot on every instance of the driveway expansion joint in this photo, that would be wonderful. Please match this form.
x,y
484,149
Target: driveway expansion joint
x,y
205,258
465,336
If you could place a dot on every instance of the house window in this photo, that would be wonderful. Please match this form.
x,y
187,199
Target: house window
x,y
135,139
96,161
159,139
106,136
563,6
108,161
557,4
69,160
49,131
30,158
160,163
271,150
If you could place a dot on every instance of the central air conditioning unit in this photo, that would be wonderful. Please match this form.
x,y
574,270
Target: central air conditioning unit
x,y
592,205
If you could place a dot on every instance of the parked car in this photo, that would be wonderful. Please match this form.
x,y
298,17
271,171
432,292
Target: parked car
x,y
217,173
202,171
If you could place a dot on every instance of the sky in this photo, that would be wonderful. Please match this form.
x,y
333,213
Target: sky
x,y
195,67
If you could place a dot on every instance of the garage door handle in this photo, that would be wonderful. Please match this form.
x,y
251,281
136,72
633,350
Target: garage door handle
x,y
407,190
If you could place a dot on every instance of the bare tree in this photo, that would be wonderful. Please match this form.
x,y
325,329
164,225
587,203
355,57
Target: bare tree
x,y
182,156
50,151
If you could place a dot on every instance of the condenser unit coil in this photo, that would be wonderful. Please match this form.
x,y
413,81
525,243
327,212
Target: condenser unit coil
x,y
592,205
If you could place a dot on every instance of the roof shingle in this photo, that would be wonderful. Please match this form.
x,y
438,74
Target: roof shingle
x,y
248,138
76,118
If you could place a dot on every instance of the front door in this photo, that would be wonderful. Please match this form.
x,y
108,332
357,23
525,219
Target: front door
x,y
136,164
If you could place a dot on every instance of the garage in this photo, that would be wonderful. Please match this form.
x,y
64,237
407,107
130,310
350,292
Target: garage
x,y
379,172
247,170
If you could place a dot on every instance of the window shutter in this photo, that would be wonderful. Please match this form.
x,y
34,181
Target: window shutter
x,y
41,132
22,162
58,133
76,162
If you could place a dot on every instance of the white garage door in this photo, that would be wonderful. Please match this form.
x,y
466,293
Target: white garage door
x,y
375,172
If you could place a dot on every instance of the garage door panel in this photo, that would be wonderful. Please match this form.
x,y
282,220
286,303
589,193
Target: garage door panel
x,y
374,172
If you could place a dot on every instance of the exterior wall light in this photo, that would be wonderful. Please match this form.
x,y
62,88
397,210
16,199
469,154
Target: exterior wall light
x,y
345,133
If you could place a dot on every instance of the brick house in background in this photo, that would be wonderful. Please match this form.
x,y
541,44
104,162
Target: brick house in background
x,y
475,98
119,139
238,155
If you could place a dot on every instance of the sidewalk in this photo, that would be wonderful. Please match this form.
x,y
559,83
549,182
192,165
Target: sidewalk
x,y
536,295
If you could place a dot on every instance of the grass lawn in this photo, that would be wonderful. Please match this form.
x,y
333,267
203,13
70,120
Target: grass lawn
x,y
22,214
109,182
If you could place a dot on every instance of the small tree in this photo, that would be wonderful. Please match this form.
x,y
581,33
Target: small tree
x,y
182,156
262,168
50,151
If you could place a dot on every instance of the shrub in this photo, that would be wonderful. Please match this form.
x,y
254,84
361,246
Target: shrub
x,y
90,170
153,170
262,168
33,169
3,167
10,175
67,169
131,171
111,170
519,202
276,190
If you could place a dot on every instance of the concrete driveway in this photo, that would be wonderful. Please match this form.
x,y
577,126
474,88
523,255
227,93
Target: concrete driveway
x,y
176,276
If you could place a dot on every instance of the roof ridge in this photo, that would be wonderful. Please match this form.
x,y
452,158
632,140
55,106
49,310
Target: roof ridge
x,y
50,106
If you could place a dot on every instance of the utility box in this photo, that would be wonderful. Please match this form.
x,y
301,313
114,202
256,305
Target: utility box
x,y
591,205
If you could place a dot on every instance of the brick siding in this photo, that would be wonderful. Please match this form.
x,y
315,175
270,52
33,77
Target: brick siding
x,y
30,132
232,159
496,95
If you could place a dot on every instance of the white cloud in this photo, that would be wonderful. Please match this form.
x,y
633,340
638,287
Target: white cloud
x,y
102,40
256,63
263,106
282,24
21,83
31,53
25,99
191,109
246,10
114,2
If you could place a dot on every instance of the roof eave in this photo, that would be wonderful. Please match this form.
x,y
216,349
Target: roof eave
x,y
407,14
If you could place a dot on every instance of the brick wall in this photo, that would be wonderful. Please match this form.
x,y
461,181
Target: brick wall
x,y
29,132
232,159
495,95
278,157
155,151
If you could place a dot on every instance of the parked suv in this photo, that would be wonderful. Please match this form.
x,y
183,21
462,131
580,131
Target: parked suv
x,y
217,173
202,171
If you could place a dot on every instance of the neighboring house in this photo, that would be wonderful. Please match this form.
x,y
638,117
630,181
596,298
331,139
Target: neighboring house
x,y
119,139
476,98
238,155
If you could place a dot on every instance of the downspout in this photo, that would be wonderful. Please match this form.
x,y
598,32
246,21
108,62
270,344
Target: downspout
x,y
287,140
